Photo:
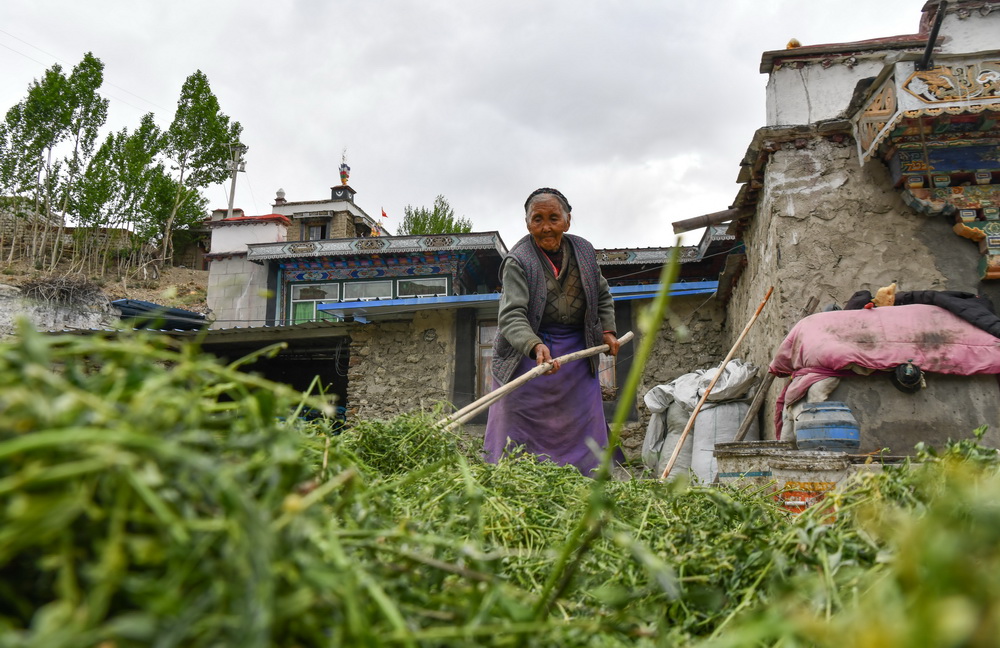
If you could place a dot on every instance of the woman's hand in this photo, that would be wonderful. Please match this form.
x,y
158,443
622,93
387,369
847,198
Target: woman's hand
x,y
612,341
543,355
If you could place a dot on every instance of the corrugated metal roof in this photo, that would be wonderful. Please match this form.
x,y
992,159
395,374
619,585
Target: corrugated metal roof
x,y
379,309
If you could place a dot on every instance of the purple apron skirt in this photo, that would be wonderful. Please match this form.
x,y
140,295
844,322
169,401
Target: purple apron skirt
x,y
552,416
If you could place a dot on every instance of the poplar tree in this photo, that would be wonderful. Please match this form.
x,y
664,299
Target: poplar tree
x,y
57,109
87,113
112,192
198,146
32,129
142,185
440,219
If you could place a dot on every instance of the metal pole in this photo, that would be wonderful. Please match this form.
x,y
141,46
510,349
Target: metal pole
x,y
237,151
925,60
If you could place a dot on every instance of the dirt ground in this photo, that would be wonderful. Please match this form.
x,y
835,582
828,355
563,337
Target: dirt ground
x,y
176,287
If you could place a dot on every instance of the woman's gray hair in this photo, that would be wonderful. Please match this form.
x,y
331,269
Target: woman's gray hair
x,y
547,191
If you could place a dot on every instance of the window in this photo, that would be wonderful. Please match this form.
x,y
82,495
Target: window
x,y
363,290
316,233
422,286
305,297
484,358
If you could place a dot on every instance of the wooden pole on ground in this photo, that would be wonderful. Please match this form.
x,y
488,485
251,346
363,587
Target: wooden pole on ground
x,y
708,390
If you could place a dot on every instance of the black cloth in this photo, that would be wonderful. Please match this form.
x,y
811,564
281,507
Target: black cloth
x,y
975,309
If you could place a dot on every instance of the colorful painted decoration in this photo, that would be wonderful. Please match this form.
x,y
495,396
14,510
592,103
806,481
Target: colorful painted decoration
x,y
974,80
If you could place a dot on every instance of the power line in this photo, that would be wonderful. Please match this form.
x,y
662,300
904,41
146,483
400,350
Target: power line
x,y
61,60
253,198
21,53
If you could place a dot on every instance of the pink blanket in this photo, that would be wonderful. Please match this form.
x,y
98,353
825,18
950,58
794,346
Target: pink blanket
x,y
828,344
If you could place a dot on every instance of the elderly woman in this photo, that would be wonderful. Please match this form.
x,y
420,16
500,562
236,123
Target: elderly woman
x,y
555,301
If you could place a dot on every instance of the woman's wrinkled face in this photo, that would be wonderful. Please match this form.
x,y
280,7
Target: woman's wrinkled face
x,y
547,222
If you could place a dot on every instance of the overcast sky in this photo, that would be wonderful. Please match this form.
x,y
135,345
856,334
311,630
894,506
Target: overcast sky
x,y
638,110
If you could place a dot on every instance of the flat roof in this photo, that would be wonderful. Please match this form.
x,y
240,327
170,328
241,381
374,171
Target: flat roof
x,y
906,41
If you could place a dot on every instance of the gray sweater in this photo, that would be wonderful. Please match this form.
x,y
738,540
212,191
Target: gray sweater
x,y
513,318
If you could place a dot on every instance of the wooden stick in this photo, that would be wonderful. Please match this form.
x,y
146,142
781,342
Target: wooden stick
x,y
708,390
470,410
751,415
498,393
765,385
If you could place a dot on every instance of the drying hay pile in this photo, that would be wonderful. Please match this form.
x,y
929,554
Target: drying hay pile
x,y
152,496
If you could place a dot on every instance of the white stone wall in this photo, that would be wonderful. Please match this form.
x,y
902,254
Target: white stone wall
x,y
811,93
291,209
816,89
51,317
970,31
228,238
237,293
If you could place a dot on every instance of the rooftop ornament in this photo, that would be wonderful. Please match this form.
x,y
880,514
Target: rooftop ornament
x,y
345,171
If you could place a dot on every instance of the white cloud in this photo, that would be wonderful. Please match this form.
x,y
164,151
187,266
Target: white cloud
x,y
639,111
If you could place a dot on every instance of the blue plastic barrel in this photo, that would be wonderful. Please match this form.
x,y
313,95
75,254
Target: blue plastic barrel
x,y
828,425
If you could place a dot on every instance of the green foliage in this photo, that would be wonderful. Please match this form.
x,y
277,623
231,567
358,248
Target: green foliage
x,y
88,113
51,165
440,219
144,491
152,495
57,108
198,139
198,145
115,188
36,124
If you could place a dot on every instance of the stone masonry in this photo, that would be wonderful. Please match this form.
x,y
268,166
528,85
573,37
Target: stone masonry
x,y
826,227
399,367
692,337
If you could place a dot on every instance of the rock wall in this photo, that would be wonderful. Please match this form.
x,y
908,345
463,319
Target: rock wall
x,y
51,317
826,227
399,367
693,337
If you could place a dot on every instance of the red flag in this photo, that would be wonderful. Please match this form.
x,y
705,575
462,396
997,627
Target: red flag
x,y
383,213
